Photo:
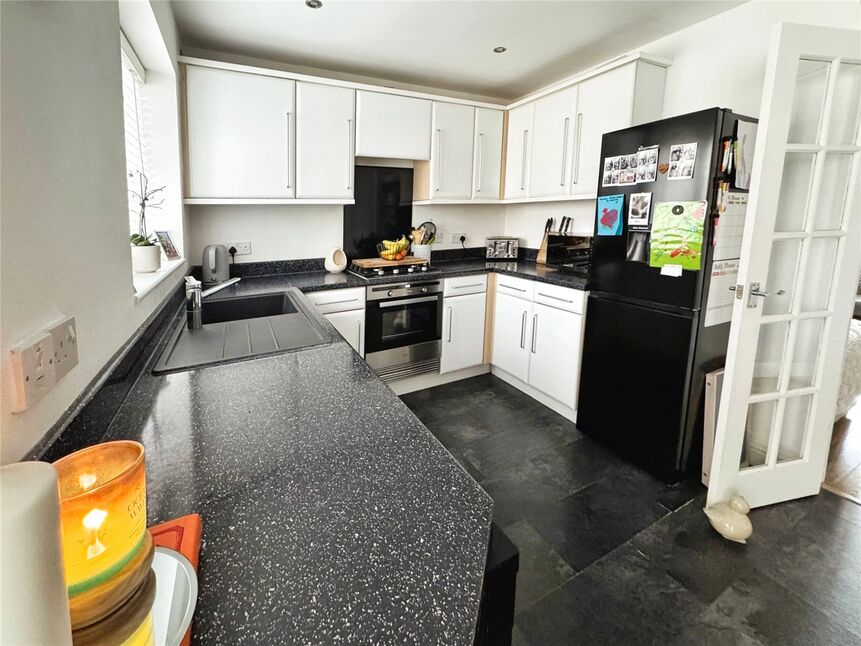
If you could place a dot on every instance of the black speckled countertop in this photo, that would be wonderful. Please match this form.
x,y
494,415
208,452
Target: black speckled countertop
x,y
330,513
313,281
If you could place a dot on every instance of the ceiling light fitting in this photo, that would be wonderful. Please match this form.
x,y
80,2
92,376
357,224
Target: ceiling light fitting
x,y
314,4
496,50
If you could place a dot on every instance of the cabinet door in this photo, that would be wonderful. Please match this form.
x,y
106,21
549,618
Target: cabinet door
x,y
553,143
324,140
462,332
512,322
451,151
240,130
392,126
604,104
351,326
554,344
518,150
487,158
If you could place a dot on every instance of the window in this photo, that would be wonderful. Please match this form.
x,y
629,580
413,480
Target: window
x,y
133,80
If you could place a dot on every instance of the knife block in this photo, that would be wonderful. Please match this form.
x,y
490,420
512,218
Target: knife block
x,y
541,258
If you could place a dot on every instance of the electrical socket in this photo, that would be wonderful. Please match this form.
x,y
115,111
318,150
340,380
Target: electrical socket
x,y
243,247
455,237
33,372
65,339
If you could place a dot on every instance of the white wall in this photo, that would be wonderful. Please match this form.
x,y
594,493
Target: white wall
x,y
64,247
476,221
717,62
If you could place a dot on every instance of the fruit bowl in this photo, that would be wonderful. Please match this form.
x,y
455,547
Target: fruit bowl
x,y
394,249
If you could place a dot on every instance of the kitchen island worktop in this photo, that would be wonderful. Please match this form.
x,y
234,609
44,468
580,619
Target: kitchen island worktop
x,y
330,513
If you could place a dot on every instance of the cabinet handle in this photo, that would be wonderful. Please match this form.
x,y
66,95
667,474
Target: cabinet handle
x,y
555,298
288,150
523,161
450,322
465,286
346,300
577,130
349,154
438,157
564,151
523,330
361,339
517,289
534,330
480,160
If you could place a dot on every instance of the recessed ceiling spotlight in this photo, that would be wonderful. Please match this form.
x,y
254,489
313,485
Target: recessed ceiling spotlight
x,y
496,50
314,4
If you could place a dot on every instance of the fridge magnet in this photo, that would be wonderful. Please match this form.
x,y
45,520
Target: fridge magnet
x,y
677,234
638,246
743,152
639,207
647,164
607,179
610,215
682,160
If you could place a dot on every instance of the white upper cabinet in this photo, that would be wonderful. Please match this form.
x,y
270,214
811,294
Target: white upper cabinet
x,y
518,150
487,155
388,125
240,134
451,151
325,119
553,143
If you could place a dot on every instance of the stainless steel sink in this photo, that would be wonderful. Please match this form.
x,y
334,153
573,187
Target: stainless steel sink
x,y
241,328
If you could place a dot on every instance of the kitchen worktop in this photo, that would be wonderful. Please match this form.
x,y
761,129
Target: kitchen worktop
x,y
330,513
312,281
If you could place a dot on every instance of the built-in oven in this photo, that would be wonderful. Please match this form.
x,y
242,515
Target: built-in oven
x,y
403,329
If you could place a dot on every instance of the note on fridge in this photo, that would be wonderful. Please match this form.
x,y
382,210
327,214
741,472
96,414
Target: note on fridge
x,y
721,298
730,229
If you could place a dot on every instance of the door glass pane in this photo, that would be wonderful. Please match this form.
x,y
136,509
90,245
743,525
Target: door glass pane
x,y
792,432
769,357
846,104
820,269
807,104
828,213
757,430
794,191
808,335
781,276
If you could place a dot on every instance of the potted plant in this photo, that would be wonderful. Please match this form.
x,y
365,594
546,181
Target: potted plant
x,y
146,254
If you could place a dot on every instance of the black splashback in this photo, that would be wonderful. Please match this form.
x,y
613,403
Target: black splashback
x,y
383,209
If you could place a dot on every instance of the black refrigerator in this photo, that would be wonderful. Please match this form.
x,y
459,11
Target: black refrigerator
x,y
646,349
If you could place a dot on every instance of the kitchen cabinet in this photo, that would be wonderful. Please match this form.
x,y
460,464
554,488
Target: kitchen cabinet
x,y
554,365
462,332
325,118
351,326
518,150
451,151
512,321
554,131
393,126
240,134
487,155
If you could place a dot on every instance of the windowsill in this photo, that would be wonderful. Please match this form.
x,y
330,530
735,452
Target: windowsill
x,y
145,283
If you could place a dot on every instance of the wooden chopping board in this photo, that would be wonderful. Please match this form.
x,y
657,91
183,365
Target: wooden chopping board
x,y
376,263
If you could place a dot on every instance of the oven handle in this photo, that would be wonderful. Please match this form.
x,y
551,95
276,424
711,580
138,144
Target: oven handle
x,y
408,301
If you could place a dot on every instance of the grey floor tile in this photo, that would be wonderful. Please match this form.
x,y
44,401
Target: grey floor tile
x,y
621,599
519,489
542,570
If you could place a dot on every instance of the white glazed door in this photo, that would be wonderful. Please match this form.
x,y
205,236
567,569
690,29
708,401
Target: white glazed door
x,y
518,151
351,326
325,128
553,143
798,274
512,326
241,134
462,332
555,341
487,158
451,151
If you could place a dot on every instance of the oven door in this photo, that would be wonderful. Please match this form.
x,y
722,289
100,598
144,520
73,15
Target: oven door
x,y
405,321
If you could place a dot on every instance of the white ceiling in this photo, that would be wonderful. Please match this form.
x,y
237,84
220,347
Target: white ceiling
x,y
441,43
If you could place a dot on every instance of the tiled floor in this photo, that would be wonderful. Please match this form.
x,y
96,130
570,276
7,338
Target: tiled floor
x,y
609,555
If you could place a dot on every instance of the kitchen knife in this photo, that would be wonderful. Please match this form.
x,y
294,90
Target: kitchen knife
x,y
548,224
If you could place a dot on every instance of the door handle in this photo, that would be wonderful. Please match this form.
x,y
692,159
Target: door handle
x,y
288,150
438,157
523,330
480,160
754,290
564,151
534,330
349,154
577,130
523,161
450,322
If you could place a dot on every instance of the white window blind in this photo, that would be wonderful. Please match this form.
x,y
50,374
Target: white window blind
x,y
135,136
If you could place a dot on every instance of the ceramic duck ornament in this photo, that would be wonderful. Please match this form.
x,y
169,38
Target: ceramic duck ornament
x,y
730,519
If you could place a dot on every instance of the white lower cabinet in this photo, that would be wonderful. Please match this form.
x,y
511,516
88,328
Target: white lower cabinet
x,y
555,341
462,332
351,326
512,319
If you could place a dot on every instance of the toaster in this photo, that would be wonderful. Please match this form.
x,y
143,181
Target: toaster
x,y
502,247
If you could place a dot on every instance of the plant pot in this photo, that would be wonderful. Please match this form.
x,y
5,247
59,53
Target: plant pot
x,y
335,261
146,259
